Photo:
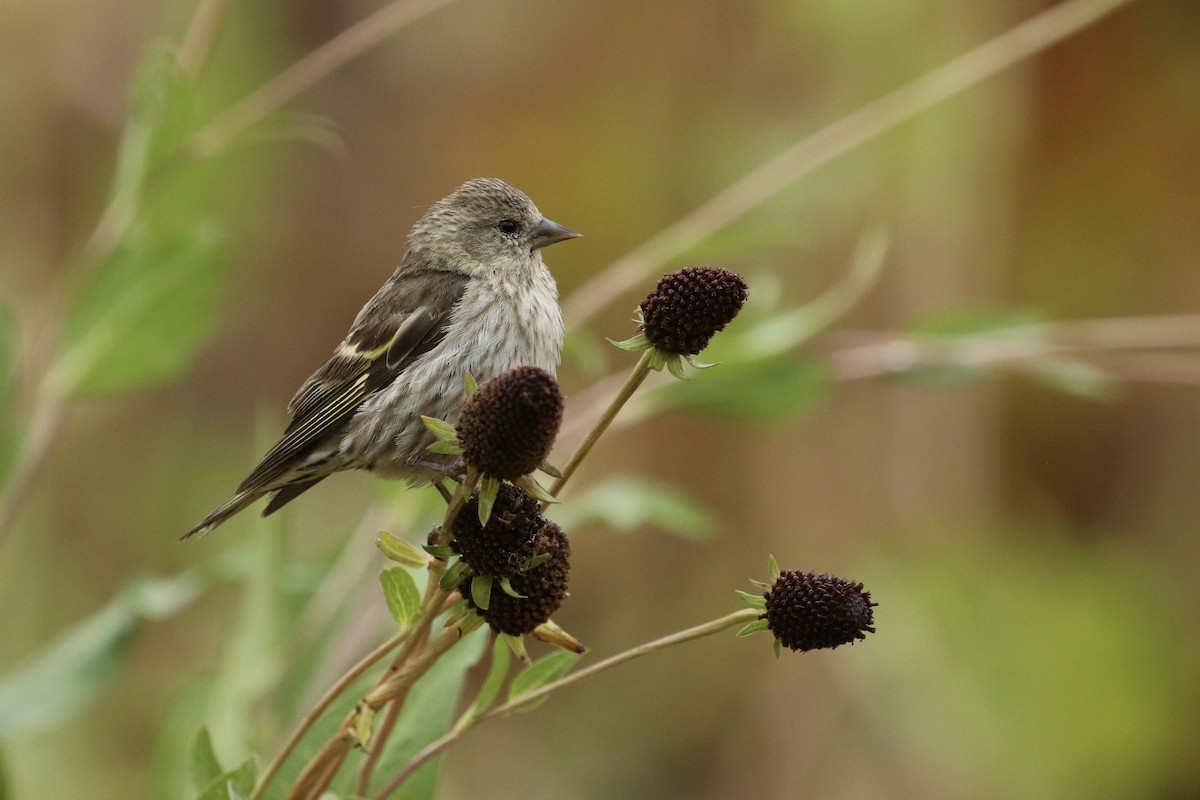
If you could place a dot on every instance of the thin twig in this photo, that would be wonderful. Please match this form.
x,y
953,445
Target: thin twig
x,y
201,36
640,371
49,410
843,135
319,709
888,354
302,75
434,748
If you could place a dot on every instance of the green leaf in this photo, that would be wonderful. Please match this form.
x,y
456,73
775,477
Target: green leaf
x,y
770,390
489,488
442,431
757,626
427,714
453,576
236,784
145,314
755,601
490,690
203,766
400,550
446,448
634,344
507,587
481,591
252,659
631,502
400,591
438,550
545,670
773,570
68,673
156,123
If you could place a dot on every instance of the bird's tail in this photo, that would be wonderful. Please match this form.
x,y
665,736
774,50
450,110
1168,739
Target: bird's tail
x,y
232,506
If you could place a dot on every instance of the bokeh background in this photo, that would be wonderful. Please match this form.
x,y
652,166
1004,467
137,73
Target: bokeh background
x,y
1033,551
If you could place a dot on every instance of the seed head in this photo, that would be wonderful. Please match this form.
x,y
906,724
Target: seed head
x,y
690,306
809,611
508,427
544,588
508,542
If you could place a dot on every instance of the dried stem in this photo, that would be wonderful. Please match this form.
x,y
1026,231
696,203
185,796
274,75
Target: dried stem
x,y
865,123
640,371
302,75
504,709
202,36
323,704
887,353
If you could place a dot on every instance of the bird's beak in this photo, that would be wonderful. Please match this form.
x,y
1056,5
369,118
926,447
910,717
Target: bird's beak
x,y
548,232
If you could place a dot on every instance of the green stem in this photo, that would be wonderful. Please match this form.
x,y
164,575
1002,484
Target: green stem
x,y
322,705
434,748
640,371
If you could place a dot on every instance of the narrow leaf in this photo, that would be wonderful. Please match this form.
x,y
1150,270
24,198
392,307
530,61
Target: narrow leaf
x,y
146,313
754,601
489,488
546,670
453,576
203,766
427,714
446,448
481,591
69,672
490,690
400,592
236,784
400,550
507,587
757,626
444,431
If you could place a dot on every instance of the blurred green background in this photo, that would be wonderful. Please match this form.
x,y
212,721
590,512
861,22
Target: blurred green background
x,y
1033,552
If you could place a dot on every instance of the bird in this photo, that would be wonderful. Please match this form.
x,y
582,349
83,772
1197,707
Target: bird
x,y
471,296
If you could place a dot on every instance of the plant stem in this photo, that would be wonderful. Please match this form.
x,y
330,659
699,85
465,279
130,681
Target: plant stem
x,y
640,371
434,748
323,704
839,137
202,35
49,410
306,72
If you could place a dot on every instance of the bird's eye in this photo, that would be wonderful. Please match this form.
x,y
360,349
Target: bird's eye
x,y
508,226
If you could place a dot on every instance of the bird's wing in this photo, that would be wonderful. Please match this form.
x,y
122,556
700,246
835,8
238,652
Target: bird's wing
x,y
405,320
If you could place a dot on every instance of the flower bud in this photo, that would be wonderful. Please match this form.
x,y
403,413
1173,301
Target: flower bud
x,y
508,542
690,306
508,427
544,588
809,611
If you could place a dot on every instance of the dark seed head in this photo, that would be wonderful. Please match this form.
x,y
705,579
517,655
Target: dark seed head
x,y
809,611
690,306
508,427
508,542
544,588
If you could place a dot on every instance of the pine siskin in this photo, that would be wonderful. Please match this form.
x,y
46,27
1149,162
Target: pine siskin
x,y
470,295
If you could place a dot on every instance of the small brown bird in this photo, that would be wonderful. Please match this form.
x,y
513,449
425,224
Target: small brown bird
x,y
471,295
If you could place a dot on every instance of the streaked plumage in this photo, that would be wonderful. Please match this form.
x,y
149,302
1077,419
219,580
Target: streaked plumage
x,y
471,294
